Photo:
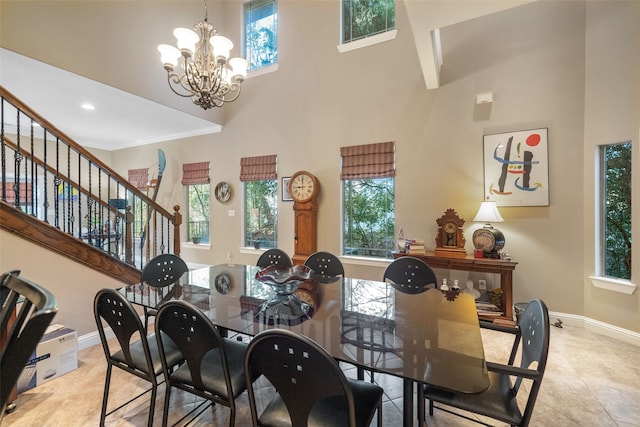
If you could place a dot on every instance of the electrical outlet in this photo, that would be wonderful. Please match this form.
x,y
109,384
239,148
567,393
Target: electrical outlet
x,y
482,285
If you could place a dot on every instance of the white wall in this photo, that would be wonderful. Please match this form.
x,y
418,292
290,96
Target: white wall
x,y
571,67
612,115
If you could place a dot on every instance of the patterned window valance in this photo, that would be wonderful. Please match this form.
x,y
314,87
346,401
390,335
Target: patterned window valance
x,y
368,161
195,173
258,168
139,178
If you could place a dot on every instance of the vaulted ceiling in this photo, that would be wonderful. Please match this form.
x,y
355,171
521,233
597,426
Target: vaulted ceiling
x,y
124,119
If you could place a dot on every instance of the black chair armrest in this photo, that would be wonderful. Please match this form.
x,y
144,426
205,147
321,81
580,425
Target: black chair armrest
x,y
512,370
501,328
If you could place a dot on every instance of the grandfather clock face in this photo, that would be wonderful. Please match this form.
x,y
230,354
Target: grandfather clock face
x,y
304,188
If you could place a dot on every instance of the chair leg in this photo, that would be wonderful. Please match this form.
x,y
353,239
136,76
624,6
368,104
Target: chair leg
x,y
146,320
380,413
165,406
152,404
232,416
105,395
421,403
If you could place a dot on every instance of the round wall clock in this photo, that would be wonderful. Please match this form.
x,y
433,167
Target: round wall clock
x,y
223,192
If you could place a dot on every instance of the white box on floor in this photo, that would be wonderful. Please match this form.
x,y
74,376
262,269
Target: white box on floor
x,y
56,354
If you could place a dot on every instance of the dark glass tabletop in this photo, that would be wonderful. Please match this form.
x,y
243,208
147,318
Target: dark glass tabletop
x,y
424,336
430,337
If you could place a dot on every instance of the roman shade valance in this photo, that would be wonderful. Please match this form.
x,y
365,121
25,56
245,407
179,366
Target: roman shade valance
x,y
24,196
195,173
368,161
258,168
139,178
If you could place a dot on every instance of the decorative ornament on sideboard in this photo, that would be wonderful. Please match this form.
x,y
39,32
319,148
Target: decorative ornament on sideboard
x,y
488,240
208,76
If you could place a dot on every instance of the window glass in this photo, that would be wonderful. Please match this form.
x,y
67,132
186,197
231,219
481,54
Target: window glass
x,y
261,33
261,213
615,199
363,18
368,215
198,202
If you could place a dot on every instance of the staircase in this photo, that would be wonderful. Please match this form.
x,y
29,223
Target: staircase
x,y
58,195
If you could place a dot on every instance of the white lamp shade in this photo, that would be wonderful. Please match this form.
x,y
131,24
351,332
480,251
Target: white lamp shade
x,y
168,54
221,46
187,38
488,212
239,66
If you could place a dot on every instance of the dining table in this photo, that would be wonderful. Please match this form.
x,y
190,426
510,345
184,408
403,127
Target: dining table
x,y
432,337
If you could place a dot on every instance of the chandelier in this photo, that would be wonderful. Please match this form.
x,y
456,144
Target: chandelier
x,y
208,77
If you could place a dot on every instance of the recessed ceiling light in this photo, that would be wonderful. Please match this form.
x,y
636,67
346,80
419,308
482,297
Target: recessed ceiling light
x,y
88,106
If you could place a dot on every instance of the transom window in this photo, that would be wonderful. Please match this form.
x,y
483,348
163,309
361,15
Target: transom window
x,y
364,18
615,210
261,33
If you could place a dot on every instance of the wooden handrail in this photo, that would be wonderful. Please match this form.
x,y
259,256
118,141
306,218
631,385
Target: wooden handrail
x,y
104,173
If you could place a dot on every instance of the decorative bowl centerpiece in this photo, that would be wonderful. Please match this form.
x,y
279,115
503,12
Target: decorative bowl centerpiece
x,y
285,305
284,281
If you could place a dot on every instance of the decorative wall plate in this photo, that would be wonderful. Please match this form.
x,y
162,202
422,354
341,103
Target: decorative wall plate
x,y
223,283
223,192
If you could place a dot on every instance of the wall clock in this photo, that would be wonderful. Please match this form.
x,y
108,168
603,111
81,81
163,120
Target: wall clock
x,y
304,188
450,239
223,192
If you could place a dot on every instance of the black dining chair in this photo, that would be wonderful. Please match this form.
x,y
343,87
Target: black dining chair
x,y
310,388
136,353
160,272
410,275
274,256
214,365
325,264
26,311
500,400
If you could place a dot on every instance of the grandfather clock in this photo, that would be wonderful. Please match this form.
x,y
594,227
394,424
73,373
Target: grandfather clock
x,y
304,188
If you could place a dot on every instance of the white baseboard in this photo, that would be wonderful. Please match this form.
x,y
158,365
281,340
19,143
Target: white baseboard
x,y
597,326
93,338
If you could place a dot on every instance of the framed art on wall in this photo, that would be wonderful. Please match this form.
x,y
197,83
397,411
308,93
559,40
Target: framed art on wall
x,y
286,197
516,168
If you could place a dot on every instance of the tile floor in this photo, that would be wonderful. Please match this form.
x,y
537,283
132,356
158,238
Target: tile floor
x,y
591,380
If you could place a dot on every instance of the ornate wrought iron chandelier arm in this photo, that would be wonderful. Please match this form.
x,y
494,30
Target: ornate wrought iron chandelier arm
x,y
208,74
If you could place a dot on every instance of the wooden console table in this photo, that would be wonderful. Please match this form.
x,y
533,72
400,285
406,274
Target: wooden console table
x,y
479,265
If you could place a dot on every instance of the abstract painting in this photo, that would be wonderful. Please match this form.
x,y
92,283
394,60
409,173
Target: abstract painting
x,y
516,168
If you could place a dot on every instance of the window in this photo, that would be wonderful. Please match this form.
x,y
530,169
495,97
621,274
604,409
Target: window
x,y
259,175
195,178
615,204
261,33
368,190
363,18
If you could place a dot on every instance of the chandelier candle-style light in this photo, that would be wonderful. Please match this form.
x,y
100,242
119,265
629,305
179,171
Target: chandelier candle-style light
x,y
208,77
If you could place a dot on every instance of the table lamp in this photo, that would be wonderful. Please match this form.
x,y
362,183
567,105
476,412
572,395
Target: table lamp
x,y
488,240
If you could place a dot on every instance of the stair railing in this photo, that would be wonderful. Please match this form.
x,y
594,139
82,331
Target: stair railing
x,y
48,175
